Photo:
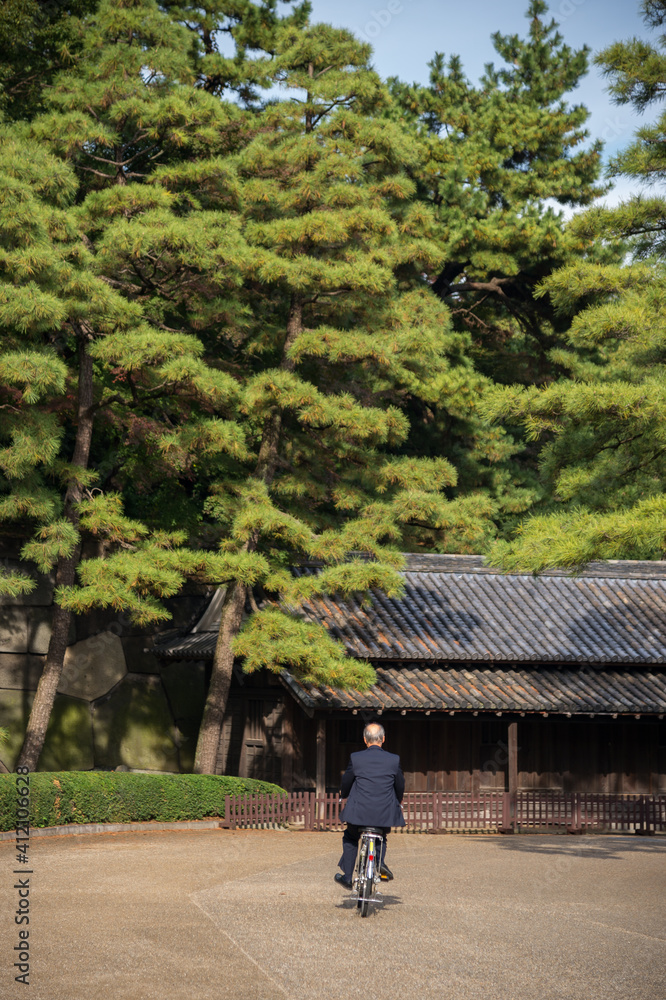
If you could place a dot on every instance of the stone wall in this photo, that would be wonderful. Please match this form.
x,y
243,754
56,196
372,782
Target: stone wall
x,y
117,705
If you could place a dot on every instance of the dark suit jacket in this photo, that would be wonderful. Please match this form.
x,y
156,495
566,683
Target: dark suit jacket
x,y
373,785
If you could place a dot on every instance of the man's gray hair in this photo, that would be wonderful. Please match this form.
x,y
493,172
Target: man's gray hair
x,y
373,733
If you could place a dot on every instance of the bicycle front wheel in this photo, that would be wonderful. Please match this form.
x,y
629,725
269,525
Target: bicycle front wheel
x,y
364,895
362,864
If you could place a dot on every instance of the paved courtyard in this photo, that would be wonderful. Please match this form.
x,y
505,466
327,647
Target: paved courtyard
x,y
255,915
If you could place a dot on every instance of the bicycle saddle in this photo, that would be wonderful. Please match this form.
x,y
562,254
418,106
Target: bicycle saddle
x,y
373,829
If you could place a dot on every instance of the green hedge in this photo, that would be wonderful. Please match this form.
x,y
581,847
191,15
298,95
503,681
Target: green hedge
x,y
61,797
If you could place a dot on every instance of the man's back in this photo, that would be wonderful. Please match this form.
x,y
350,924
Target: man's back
x,y
374,785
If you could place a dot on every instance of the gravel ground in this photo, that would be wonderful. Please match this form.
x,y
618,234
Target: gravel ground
x,y
255,915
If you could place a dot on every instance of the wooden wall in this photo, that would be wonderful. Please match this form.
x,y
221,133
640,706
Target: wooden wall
x,y
440,753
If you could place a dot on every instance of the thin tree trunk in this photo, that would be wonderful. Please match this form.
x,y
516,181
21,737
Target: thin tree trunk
x,y
42,706
234,602
220,681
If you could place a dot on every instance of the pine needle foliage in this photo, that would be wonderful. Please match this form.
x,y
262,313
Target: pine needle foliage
x,y
603,462
249,29
497,159
495,156
94,258
204,298
222,352
38,38
334,343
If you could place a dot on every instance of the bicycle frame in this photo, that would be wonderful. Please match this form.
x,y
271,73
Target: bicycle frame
x,y
368,864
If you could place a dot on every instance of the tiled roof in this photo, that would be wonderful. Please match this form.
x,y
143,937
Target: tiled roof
x,y
564,690
488,617
456,609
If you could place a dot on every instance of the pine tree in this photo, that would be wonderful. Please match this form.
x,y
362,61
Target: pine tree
x,y
603,426
498,159
88,268
52,308
495,156
272,328
331,351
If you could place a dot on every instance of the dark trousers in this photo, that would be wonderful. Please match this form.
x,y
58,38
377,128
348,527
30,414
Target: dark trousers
x,y
350,839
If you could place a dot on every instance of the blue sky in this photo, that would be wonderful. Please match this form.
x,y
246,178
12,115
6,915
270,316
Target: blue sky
x,y
405,34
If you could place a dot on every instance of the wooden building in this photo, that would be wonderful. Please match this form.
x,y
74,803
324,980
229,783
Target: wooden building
x,y
484,681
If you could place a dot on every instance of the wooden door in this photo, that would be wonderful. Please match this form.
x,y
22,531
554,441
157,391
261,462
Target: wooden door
x,y
261,749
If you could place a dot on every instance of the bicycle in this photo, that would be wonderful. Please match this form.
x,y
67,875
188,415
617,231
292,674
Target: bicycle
x,y
367,872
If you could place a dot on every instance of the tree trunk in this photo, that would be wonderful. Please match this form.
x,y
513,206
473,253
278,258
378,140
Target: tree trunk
x,y
220,681
234,602
42,706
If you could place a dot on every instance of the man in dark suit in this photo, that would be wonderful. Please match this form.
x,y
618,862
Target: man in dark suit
x,y
373,785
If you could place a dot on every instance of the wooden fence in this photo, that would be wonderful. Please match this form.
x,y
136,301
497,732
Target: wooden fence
x,y
574,812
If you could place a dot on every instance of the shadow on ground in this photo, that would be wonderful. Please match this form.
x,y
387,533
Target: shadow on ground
x,y
611,850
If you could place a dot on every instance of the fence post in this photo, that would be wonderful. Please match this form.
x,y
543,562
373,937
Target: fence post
x,y
509,812
575,814
644,825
